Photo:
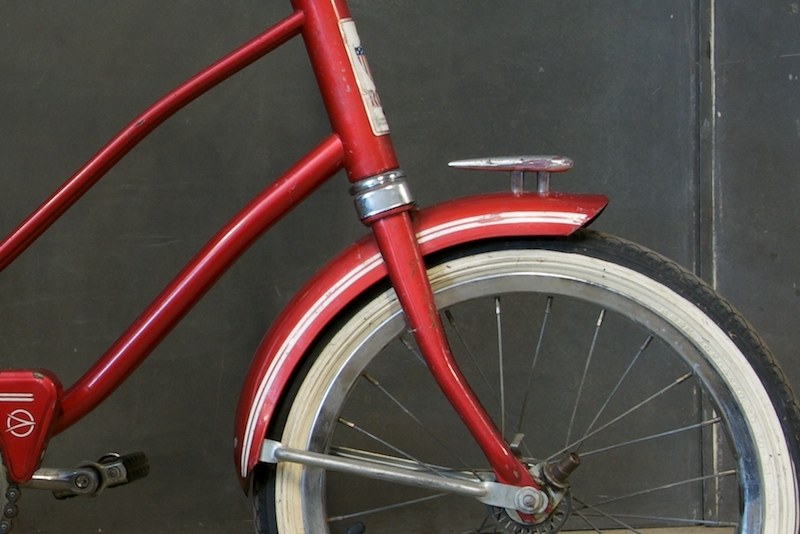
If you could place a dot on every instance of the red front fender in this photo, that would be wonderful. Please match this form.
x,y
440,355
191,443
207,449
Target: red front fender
x,y
360,266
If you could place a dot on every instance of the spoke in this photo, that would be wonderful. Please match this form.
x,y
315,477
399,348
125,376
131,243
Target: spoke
x,y
488,522
386,508
413,350
586,520
423,465
498,319
598,325
547,309
665,487
372,380
451,320
624,414
678,520
469,474
495,397
619,383
654,436
614,518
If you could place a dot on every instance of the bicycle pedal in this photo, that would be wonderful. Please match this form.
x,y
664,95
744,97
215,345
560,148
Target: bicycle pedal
x,y
91,478
136,465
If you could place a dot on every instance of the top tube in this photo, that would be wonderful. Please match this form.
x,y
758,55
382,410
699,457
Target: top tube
x,y
339,65
139,128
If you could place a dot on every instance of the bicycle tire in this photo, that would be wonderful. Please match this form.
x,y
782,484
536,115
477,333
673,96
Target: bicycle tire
x,y
716,444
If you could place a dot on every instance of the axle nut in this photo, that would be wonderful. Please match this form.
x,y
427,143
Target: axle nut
x,y
530,500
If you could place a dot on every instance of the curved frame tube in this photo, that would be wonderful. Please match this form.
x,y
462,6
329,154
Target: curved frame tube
x,y
122,143
139,340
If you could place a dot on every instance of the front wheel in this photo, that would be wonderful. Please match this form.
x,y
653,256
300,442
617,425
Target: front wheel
x,y
589,346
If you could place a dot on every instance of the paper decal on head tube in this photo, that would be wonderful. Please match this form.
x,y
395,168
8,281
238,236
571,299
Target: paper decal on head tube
x,y
366,86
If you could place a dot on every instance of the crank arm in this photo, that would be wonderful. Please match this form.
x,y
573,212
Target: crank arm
x,y
66,482
525,499
90,478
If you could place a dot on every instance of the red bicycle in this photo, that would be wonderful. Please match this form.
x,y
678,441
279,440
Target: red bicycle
x,y
487,305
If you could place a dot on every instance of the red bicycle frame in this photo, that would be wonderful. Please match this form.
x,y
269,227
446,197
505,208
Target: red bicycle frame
x,y
360,144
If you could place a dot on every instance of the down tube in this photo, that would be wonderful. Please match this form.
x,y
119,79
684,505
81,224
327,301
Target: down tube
x,y
139,340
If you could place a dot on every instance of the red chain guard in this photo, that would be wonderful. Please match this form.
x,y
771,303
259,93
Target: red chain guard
x,y
29,401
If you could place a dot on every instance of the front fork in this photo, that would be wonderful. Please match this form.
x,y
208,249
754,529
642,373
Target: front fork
x,y
384,204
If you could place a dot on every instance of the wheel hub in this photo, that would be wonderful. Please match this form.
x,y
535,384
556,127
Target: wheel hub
x,y
511,523
553,480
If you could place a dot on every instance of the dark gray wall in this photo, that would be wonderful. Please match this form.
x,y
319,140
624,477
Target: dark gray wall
x,y
757,148
697,145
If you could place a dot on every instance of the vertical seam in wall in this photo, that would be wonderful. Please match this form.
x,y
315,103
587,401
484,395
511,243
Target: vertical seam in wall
x,y
707,222
712,63
706,183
